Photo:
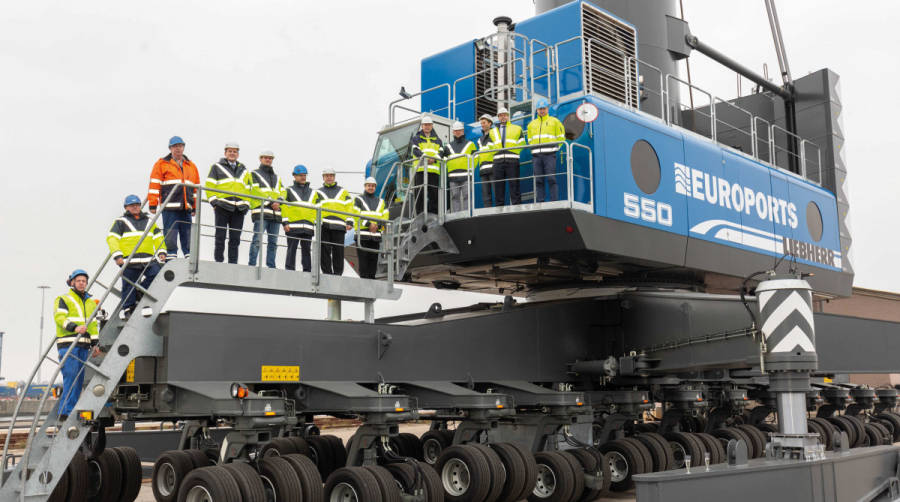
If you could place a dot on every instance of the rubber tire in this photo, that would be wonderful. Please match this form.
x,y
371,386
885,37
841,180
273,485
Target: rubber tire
x,y
338,452
713,446
434,439
688,444
589,465
728,433
562,471
320,452
110,477
181,466
217,480
78,479
874,435
577,472
632,459
815,427
310,479
248,481
755,435
199,458
284,481
857,422
300,445
842,425
361,479
657,452
390,491
646,456
530,470
405,474
276,447
413,445
885,433
498,471
479,473
751,444
829,429
308,475
61,490
132,473
767,428
894,421
670,458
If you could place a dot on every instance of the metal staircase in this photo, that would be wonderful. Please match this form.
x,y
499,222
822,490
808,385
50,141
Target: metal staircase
x,y
416,231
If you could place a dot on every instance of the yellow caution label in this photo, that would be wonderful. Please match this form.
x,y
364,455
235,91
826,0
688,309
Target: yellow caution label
x,y
129,372
828,380
280,374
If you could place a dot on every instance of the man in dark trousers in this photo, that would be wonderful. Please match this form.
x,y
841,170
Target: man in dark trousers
x,y
485,161
369,205
123,238
425,148
334,225
231,175
508,138
299,222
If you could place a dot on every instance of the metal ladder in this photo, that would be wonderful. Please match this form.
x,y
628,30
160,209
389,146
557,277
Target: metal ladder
x,y
49,448
417,233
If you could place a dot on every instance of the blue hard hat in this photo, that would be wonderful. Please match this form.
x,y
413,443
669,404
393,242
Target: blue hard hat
x,y
542,103
300,169
75,273
175,140
132,199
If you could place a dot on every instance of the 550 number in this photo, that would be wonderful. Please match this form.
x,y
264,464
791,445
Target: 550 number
x,y
642,208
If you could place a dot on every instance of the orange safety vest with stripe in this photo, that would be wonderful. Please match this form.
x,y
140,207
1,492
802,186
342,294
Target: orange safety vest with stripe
x,y
165,177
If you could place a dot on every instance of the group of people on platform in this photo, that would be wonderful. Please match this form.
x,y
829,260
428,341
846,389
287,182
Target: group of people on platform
x,y
233,190
496,158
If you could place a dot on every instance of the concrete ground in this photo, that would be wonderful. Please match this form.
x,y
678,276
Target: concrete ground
x,y
344,433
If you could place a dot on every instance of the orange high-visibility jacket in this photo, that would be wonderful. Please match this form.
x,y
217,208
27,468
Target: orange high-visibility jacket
x,y
165,177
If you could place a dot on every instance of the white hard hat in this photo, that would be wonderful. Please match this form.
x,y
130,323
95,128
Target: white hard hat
x,y
427,120
486,116
503,109
458,126
370,180
328,170
232,144
266,153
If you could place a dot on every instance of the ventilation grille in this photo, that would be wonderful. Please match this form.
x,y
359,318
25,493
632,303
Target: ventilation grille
x,y
608,73
483,57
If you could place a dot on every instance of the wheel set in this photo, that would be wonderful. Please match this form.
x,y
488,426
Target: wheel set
x,y
112,476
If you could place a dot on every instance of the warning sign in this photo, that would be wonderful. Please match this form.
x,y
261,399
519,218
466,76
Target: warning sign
x,y
280,374
129,372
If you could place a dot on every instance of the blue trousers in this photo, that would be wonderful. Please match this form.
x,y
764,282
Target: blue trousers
x,y
544,165
73,378
133,273
177,226
270,227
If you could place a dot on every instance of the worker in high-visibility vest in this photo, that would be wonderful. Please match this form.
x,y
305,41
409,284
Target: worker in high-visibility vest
x,y
485,161
425,147
334,225
299,222
508,138
168,175
73,309
545,129
369,205
231,175
266,215
458,153
123,238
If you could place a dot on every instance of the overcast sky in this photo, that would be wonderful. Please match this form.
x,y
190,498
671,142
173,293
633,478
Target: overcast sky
x,y
91,92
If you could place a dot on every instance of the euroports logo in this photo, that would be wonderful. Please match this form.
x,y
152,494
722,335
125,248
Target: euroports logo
x,y
699,185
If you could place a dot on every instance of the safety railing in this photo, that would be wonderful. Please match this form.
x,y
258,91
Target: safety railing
x,y
396,104
567,68
578,184
33,428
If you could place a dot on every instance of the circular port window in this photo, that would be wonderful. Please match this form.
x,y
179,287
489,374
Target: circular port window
x,y
814,221
645,166
574,127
